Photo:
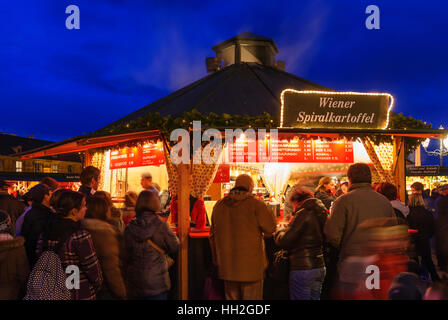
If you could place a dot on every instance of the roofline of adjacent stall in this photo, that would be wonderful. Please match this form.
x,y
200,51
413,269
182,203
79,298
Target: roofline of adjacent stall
x,y
79,144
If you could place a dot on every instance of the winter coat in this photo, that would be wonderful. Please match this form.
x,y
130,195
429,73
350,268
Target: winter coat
x,y
361,203
87,191
441,229
325,197
304,236
13,207
236,236
14,269
77,250
421,219
109,252
146,268
116,220
34,224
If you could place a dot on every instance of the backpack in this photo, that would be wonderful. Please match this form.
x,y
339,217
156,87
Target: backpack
x,y
47,280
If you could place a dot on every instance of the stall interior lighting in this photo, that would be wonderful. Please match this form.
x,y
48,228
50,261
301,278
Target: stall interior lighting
x,y
391,99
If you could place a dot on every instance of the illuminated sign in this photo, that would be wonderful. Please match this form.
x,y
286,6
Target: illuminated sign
x,y
150,154
324,109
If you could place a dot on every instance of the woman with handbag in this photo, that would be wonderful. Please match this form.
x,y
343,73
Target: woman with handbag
x,y
148,240
304,240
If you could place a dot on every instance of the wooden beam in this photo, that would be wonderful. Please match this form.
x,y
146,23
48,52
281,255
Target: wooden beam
x,y
183,220
399,166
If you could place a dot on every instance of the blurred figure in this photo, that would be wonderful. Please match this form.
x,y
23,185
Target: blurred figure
x,y
304,240
343,189
13,207
324,191
90,179
14,267
36,219
236,240
73,244
107,246
437,291
115,214
146,268
408,285
128,211
442,229
391,193
348,212
147,183
421,219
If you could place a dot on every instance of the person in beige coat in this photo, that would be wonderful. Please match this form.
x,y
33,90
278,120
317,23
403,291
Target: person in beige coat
x,y
236,238
109,249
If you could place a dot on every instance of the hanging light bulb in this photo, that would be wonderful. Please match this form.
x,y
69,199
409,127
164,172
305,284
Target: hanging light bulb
x,y
425,143
445,142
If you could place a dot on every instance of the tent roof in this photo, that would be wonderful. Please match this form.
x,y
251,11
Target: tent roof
x,y
243,89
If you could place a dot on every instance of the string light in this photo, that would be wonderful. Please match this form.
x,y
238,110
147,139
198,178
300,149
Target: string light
x,y
337,93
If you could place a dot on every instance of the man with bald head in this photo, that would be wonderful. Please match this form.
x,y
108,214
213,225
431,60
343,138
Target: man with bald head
x,y
239,221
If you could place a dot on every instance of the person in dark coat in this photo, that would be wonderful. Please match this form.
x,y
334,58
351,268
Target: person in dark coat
x,y
442,229
146,268
391,193
10,205
421,219
36,219
304,240
324,191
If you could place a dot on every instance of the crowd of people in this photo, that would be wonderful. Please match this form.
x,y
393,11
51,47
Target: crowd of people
x,y
332,244
111,247
332,241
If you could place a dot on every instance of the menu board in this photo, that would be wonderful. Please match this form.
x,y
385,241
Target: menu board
x,y
293,150
150,154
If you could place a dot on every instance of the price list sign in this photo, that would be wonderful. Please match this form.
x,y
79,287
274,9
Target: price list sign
x,y
293,150
150,154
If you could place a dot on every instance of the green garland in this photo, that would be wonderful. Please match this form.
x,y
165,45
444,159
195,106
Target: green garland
x,y
166,124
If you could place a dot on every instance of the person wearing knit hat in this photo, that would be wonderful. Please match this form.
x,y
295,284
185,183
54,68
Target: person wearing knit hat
x,y
239,221
244,181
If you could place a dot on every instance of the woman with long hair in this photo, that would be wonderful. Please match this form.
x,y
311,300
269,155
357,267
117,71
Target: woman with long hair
x,y
77,245
324,191
146,268
304,240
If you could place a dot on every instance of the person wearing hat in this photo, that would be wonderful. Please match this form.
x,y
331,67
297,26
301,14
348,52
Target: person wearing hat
x,y
7,203
14,268
239,221
36,219
441,227
147,184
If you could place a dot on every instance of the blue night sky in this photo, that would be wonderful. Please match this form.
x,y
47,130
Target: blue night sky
x,y
57,83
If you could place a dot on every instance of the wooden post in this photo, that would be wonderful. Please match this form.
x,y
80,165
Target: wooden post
x,y
183,222
400,167
87,158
